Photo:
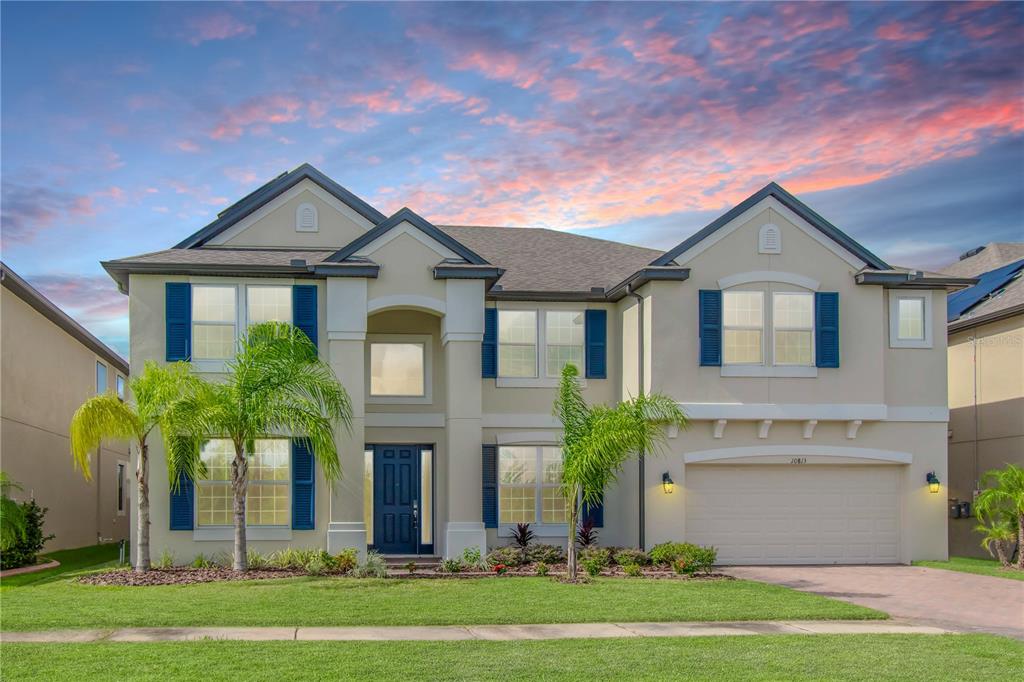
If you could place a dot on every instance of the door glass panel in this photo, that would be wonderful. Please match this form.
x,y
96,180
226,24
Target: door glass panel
x,y
426,496
368,493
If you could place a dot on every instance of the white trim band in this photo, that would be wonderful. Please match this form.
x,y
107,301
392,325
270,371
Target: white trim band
x,y
720,454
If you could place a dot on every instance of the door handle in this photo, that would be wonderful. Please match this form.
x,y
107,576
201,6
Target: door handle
x,y
415,512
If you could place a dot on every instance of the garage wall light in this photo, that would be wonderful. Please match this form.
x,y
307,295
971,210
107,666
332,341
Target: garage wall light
x,y
933,482
667,483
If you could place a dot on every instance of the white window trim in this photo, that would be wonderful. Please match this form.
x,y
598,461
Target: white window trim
x,y
252,531
775,363
766,369
427,341
542,530
894,318
540,379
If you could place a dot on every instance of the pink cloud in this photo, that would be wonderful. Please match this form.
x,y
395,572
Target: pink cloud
x,y
187,146
216,26
564,89
899,32
257,114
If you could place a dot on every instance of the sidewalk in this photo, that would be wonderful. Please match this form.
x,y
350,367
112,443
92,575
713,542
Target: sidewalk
x,y
477,632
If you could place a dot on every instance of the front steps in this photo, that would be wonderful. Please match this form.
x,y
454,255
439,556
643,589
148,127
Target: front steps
x,y
398,563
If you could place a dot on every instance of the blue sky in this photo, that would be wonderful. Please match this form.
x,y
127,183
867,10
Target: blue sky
x,y
128,126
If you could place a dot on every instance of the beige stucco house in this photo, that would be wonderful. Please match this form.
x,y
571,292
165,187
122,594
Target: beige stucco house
x,y
814,373
986,380
50,366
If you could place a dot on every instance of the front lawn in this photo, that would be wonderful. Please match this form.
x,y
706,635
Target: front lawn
x,y
773,657
965,564
71,560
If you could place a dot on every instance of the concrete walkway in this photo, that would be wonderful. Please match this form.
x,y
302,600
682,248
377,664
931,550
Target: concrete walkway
x,y
961,602
478,632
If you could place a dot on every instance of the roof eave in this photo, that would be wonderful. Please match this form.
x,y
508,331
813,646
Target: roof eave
x,y
913,280
962,323
406,214
645,275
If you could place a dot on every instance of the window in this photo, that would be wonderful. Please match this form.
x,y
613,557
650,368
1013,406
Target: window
x,y
563,340
397,369
517,343
910,319
529,480
269,304
101,377
121,467
793,323
120,387
213,322
268,497
742,329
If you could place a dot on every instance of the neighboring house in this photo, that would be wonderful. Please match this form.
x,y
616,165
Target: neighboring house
x,y
50,366
986,379
814,373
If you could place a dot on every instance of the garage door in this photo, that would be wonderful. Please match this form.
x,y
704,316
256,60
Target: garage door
x,y
795,514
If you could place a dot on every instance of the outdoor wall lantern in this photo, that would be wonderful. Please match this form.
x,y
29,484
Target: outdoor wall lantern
x,y
667,483
933,482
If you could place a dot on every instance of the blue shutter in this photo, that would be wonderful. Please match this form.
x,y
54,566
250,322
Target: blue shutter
x,y
826,328
710,327
178,318
490,486
304,309
303,486
596,331
489,347
182,505
594,513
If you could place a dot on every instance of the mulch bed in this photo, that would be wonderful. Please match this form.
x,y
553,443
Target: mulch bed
x,y
184,576
559,571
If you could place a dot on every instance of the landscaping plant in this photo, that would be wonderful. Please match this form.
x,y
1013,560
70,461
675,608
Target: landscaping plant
x,y
500,569
25,549
12,514
276,383
698,558
592,566
346,560
373,567
451,565
548,554
1000,511
107,417
541,569
472,559
509,555
626,557
632,570
586,536
598,440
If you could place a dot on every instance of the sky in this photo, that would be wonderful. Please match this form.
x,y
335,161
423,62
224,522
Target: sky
x,y
126,127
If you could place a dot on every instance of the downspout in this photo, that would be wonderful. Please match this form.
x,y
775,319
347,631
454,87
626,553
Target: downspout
x,y
641,488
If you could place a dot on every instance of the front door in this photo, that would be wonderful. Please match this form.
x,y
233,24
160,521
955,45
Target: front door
x,y
396,498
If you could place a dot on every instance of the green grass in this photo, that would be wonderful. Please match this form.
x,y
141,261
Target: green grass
x,y
71,561
773,657
348,601
965,564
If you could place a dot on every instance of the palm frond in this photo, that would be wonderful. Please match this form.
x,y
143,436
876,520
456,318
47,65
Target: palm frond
x,y
102,417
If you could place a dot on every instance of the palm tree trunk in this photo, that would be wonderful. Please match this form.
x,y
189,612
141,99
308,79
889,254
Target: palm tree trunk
x,y
239,483
1000,551
570,549
1020,541
142,563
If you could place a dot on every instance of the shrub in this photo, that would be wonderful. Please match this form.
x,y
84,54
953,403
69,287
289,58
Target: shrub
x,y
625,557
472,559
510,556
548,554
373,567
315,566
346,560
256,560
600,555
522,536
699,558
632,570
586,536
542,569
500,569
166,560
25,549
593,566
451,566
202,562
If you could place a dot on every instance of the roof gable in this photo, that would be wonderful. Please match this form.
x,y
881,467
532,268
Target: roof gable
x,y
270,191
406,215
792,203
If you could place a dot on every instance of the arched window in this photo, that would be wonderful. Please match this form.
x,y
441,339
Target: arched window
x,y
306,219
769,239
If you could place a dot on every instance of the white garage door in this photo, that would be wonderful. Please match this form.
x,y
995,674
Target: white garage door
x,y
795,514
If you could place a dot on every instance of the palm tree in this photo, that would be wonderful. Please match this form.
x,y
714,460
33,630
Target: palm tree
x,y
12,514
275,384
597,441
107,417
1000,508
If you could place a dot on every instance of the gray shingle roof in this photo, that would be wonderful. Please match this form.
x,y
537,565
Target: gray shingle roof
x,y
219,256
994,255
1008,300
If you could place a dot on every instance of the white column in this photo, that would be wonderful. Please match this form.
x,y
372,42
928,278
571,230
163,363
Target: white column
x,y
346,338
462,333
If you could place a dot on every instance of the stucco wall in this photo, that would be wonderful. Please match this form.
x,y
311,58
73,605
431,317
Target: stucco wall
x,y
47,375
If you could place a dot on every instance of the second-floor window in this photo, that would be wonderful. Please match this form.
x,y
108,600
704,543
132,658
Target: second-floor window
x,y
539,343
746,319
517,343
793,327
397,369
563,340
120,387
213,322
101,378
743,327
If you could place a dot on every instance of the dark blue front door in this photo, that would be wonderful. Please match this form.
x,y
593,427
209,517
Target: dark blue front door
x,y
396,483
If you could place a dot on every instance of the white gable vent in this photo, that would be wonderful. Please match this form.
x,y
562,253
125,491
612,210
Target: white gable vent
x,y
306,219
769,239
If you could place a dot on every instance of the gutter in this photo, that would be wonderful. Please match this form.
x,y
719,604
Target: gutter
x,y
641,468
963,323
913,280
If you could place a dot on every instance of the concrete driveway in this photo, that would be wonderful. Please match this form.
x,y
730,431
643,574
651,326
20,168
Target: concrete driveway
x,y
930,596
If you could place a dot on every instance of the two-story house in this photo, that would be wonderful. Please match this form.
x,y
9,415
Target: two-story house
x,y
814,373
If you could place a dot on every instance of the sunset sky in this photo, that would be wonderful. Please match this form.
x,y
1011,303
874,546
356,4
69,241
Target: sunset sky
x,y
126,127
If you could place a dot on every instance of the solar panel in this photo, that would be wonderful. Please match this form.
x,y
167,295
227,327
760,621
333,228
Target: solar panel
x,y
962,301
